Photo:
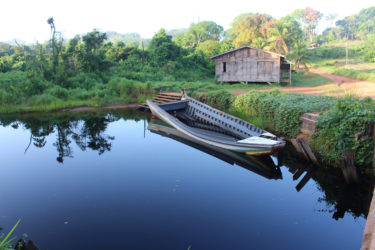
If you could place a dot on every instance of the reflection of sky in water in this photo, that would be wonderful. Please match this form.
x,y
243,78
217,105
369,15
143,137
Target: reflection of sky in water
x,y
157,193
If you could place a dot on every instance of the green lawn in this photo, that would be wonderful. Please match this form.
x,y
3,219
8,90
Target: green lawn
x,y
354,69
308,79
299,78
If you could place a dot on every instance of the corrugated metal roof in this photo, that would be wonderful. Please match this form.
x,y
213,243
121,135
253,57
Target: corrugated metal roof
x,y
244,47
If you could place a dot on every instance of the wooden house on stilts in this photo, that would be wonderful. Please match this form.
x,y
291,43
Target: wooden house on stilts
x,y
249,64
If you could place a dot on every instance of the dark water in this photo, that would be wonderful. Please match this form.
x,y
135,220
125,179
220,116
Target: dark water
x,y
104,181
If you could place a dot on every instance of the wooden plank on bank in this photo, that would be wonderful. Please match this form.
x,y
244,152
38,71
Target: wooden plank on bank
x,y
306,148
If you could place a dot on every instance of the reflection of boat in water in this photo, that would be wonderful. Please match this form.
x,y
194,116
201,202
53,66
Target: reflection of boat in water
x,y
262,165
214,127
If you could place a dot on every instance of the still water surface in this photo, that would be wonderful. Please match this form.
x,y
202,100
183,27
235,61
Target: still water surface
x,y
105,181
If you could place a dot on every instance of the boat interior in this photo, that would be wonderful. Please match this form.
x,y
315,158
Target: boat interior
x,y
212,122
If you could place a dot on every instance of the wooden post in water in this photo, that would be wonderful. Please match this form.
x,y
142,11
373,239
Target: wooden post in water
x,y
348,167
306,148
304,180
368,241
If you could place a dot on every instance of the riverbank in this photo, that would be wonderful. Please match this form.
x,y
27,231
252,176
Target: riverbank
x,y
344,124
116,106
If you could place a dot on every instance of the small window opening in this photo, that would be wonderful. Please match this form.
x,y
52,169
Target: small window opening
x,y
224,67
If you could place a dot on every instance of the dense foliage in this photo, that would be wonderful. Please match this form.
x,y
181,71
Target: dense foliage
x,y
347,126
281,110
85,69
220,99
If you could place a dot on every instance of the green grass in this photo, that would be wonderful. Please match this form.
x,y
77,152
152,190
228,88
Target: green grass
x,y
124,91
355,69
308,79
258,121
211,84
5,240
330,58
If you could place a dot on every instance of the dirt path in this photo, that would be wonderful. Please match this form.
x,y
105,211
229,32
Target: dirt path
x,y
339,86
334,78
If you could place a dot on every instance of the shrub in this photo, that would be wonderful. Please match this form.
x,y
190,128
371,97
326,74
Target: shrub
x,y
222,99
343,128
44,99
84,81
58,92
281,110
79,94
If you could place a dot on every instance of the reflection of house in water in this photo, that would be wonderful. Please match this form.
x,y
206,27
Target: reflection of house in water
x,y
261,165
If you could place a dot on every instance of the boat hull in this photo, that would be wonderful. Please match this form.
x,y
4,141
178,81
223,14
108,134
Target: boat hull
x,y
252,149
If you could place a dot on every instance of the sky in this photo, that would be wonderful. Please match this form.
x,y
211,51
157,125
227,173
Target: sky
x,y
27,19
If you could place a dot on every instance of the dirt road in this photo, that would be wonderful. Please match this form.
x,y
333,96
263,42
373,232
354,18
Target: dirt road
x,y
339,86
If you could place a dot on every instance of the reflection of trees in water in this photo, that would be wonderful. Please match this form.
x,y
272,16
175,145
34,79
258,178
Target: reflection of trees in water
x,y
339,197
87,130
89,133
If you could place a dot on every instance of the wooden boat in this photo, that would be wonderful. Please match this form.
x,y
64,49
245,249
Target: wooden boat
x,y
215,127
262,165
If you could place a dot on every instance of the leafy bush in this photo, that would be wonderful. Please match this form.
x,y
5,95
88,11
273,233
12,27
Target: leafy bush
x,y
58,92
44,99
327,52
221,99
84,80
281,110
79,94
343,128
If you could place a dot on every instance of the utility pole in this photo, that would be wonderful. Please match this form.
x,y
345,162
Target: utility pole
x,y
143,55
346,49
346,56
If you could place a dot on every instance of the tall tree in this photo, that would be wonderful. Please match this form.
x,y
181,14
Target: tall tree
x,y
163,49
279,36
311,19
299,53
91,55
248,27
331,18
201,32
57,45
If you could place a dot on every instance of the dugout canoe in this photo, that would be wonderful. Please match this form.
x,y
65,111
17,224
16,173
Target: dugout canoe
x,y
215,127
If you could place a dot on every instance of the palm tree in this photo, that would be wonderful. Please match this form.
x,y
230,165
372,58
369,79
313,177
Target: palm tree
x,y
259,42
279,35
299,53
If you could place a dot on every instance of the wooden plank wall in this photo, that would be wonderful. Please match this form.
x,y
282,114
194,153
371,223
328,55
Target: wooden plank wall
x,y
248,65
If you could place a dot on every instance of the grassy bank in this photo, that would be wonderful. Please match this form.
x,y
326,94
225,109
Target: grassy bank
x,y
116,91
308,79
15,96
354,69
331,58
344,124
